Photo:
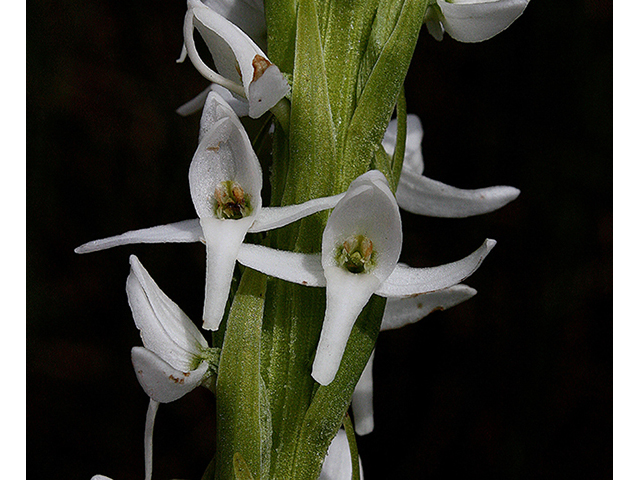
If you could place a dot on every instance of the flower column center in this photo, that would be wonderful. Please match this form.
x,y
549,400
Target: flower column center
x,y
356,254
230,202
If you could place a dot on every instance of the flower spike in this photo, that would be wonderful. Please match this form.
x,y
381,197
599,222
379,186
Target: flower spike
x,y
360,250
424,196
242,67
471,20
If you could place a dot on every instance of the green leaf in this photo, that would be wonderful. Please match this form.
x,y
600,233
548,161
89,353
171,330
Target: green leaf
x,y
240,468
281,32
382,86
401,142
346,26
312,148
353,447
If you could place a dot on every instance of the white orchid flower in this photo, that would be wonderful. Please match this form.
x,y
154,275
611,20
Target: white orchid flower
x,y
360,250
471,20
337,464
398,313
424,196
175,358
226,181
242,67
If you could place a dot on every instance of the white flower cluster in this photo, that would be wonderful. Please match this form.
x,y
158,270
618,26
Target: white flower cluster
x,y
362,240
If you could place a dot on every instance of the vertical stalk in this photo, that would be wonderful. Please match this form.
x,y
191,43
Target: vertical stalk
x,y
241,412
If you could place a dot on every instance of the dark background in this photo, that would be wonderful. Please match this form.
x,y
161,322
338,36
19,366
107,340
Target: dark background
x,y
514,384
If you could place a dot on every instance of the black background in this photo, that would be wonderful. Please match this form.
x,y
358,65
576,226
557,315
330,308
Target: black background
x,y
514,384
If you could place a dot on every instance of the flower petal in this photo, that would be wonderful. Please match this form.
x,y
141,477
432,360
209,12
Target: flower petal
x,y
239,105
347,294
276,217
161,381
337,465
165,329
187,231
248,15
223,239
479,20
243,67
401,311
303,268
413,159
433,21
406,281
362,400
423,196
216,107
368,209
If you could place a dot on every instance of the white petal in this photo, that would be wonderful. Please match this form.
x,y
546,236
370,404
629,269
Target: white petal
x,y
362,400
224,154
401,311
303,268
266,88
413,159
337,465
215,108
347,294
186,231
100,477
239,105
161,381
276,217
165,329
423,196
237,58
148,438
247,14
234,82
223,239
406,281
196,103
478,20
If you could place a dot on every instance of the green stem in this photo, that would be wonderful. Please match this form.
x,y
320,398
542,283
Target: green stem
x,y
282,111
241,410
353,447
401,141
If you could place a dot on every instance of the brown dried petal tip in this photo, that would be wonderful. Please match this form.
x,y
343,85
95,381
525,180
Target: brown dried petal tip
x,y
260,64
